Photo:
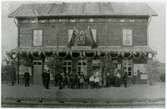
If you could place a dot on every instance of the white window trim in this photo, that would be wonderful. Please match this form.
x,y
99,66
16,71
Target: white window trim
x,y
81,61
34,43
125,64
124,36
66,66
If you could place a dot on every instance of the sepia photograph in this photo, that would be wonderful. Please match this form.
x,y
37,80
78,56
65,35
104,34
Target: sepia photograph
x,y
82,54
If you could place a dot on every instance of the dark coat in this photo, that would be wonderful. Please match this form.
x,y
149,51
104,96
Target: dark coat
x,y
125,76
27,75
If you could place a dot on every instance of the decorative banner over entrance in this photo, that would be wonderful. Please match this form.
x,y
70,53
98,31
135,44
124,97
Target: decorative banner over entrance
x,y
82,37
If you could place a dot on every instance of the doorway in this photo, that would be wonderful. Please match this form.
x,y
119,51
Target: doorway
x,y
37,72
128,67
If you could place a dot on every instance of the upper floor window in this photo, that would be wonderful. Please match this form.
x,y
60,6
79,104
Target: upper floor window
x,y
37,37
127,37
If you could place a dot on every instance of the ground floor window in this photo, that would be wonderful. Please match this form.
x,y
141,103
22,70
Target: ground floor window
x,y
67,66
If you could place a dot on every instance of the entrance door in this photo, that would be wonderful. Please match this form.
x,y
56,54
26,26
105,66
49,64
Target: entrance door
x,y
82,66
37,72
127,67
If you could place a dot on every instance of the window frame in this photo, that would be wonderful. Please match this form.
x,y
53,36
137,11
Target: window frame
x,y
33,38
66,65
82,65
127,64
123,43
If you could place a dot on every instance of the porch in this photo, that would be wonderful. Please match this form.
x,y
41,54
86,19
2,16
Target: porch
x,y
81,59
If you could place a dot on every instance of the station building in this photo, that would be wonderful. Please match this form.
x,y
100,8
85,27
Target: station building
x,y
84,36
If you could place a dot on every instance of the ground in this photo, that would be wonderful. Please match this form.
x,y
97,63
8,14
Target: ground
x,y
140,94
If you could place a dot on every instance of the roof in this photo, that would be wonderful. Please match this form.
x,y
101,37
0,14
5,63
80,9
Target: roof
x,y
83,9
119,49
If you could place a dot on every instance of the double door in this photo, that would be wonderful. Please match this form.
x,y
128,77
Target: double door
x,y
128,67
37,72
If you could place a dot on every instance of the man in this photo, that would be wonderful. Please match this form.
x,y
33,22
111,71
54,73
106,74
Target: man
x,y
61,80
125,76
107,79
135,76
97,80
27,78
76,79
47,79
12,74
91,81
117,77
81,80
43,78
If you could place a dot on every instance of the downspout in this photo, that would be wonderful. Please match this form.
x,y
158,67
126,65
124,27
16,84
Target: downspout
x,y
18,45
148,23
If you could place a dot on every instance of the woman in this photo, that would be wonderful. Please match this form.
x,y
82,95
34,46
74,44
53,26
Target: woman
x,y
117,78
81,81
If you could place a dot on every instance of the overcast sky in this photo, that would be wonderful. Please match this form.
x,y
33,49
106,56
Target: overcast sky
x,y
156,28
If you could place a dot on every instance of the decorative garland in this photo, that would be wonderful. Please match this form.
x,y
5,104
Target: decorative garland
x,y
114,55
75,56
129,55
62,56
91,53
136,57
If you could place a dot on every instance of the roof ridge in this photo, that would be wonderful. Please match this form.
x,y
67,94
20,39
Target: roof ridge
x,y
91,8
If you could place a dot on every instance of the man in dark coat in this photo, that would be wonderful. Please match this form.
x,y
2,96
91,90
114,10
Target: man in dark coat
x,y
47,78
43,78
61,80
27,78
12,74
125,76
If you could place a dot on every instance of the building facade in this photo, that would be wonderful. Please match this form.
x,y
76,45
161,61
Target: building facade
x,y
83,37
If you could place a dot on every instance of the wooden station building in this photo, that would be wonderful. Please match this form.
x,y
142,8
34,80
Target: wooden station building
x,y
86,36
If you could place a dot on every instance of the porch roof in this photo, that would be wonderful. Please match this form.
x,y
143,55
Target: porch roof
x,y
119,49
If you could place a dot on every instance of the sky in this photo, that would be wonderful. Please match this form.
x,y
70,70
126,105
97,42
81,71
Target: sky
x,y
156,28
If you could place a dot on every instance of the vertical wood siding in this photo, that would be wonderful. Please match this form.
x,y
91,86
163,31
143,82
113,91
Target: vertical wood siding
x,y
108,33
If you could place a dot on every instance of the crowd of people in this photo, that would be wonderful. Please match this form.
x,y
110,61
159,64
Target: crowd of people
x,y
72,80
116,79
80,80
